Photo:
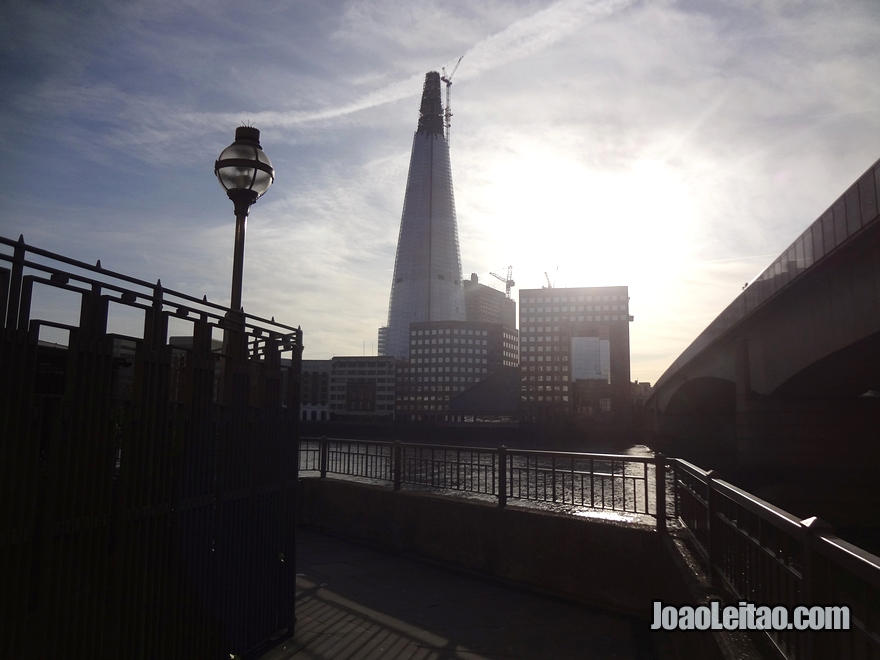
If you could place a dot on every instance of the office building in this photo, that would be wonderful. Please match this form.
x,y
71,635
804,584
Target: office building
x,y
562,334
446,359
315,390
363,388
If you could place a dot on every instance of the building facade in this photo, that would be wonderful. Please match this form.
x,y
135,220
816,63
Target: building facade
x,y
483,304
446,359
553,326
315,390
363,388
426,285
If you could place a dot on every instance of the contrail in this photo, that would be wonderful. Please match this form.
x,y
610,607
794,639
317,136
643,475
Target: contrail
x,y
520,39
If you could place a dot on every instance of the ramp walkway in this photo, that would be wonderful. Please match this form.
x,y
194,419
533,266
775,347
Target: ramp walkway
x,y
357,602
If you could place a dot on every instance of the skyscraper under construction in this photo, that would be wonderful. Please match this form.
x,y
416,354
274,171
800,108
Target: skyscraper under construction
x,y
427,282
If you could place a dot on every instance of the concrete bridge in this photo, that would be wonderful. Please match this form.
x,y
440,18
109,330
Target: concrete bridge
x,y
789,373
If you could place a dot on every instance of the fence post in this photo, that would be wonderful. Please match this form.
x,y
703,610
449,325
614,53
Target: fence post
x,y
711,526
660,487
502,477
13,306
323,455
814,588
396,455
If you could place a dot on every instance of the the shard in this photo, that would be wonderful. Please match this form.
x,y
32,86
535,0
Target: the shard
x,y
427,282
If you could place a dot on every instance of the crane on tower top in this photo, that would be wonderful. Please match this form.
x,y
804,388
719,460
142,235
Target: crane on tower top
x,y
508,281
447,113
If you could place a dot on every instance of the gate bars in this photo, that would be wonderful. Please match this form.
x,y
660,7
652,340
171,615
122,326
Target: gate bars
x,y
147,489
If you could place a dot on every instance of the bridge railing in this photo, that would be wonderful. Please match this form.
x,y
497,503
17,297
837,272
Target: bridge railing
x,y
607,482
764,555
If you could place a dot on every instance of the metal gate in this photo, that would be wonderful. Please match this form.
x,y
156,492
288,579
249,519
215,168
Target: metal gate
x,y
147,483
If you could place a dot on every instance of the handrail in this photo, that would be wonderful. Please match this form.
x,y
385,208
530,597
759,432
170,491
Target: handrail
x,y
757,552
558,478
753,551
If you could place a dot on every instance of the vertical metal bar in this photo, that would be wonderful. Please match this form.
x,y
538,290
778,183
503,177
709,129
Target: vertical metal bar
x,y
613,487
18,257
396,456
553,475
323,456
676,492
660,485
502,476
712,527
592,484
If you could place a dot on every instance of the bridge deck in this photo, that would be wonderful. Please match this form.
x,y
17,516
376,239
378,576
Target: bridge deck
x,y
354,601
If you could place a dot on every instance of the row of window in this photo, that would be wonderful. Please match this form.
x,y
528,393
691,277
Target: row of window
x,y
434,389
532,309
596,318
581,298
435,351
452,331
386,366
453,369
547,388
449,340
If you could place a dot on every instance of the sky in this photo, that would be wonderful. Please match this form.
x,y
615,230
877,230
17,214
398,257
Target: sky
x,y
675,147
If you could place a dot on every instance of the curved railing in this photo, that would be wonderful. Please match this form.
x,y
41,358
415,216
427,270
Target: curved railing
x,y
753,551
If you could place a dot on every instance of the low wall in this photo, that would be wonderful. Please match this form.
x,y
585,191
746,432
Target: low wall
x,y
615,566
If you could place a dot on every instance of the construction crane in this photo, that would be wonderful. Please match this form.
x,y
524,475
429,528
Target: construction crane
x,y
508,281
549,283
447,113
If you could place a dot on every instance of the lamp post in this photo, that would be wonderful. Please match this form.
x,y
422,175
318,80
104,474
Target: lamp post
x,y
245,173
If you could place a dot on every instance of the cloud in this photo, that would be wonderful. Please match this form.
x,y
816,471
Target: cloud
x,y
648,143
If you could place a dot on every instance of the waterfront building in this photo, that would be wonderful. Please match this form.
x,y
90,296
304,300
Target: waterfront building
x,y
426,285
362,388
554,324
446,359
315,390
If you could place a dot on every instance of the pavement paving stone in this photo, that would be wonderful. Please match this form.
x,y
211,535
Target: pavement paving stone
x,y
358,603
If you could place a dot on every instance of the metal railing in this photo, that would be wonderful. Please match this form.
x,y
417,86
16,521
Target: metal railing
x,y
761,554
624,484
148,489
752,550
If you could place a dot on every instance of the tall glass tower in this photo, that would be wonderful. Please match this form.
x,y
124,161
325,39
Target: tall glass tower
x,y
427,270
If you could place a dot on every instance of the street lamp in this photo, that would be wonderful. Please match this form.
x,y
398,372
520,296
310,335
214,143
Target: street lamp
x,y
245,173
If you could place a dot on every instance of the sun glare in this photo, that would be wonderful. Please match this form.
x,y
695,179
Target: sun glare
x,y
598,227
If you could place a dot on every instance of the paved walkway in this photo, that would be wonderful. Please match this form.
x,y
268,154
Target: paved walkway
x,y
357,602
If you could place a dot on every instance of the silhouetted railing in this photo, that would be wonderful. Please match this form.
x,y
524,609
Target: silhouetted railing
x,y
609,482
753,551
148,487
762,554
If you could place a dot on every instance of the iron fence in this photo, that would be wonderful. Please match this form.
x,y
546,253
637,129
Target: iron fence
x,y
624,484
759,553
148,488
752,550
